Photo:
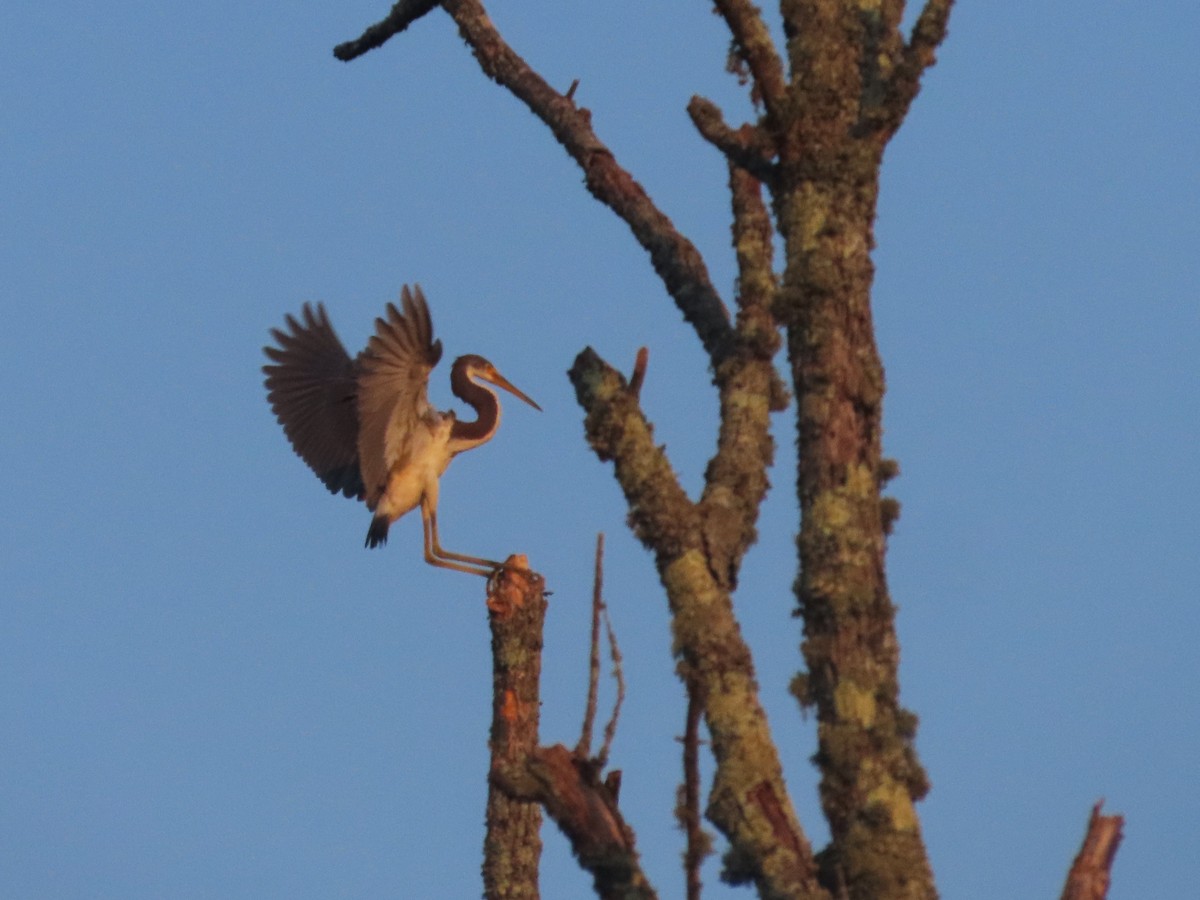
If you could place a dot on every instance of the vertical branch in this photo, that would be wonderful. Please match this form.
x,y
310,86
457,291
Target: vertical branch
x,y
512,845
584,748
610,727
847,100
698,845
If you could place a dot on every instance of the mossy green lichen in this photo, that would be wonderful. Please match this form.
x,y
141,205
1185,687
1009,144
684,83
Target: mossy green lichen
x,y
854,703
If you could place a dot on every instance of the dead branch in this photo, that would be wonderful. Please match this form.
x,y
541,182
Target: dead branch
x,y
403,14
745,147
698,844
749,802
675,259
512,844
1090,873
919,54
584,748
610,727
735,481
755,45
585,809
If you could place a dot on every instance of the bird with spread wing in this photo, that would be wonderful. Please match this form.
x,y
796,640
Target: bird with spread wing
x,y
365,426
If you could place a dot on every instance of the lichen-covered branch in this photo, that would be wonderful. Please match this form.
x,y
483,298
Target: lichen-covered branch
x,y
749,801
1090,873
735,482
756,48
919,54
843,60
745,146
512,844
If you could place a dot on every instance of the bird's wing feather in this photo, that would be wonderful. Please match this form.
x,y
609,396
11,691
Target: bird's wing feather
x,y
392,396
312,390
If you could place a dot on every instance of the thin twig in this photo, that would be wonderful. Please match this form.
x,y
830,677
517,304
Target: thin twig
x,y
689,812
639,371
585,810
584,748
919,54
610,729
512,843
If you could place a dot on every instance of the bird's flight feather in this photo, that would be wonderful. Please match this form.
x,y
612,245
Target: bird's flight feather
x,y
312,389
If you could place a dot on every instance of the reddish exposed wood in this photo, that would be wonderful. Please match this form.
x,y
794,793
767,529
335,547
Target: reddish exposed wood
x,y
512,844
585,809
1092,869
639,371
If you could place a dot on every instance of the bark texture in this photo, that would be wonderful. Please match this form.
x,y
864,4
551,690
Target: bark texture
x,y
853,76
1092,870
748,801
512,844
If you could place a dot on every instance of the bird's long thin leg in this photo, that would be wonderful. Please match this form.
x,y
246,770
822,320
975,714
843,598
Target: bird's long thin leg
x,y
434,553
490,564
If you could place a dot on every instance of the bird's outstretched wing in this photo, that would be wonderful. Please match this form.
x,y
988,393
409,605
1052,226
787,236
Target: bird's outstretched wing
x,y
313,391
392,396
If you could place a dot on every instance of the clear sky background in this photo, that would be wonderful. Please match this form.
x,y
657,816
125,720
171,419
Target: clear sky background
x,y
211,690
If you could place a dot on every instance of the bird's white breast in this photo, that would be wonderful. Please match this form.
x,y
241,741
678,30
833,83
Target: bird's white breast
x,y
414,474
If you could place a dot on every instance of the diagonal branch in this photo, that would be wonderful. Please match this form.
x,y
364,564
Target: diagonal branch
x,y
755,46
585,810
749,802
403,14
675,259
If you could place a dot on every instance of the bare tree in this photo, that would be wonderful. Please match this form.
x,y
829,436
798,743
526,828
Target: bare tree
x,y
803,176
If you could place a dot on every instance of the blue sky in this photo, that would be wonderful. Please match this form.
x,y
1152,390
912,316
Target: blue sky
x,y
212,690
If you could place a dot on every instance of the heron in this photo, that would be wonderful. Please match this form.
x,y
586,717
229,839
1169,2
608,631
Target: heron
x,y
365,425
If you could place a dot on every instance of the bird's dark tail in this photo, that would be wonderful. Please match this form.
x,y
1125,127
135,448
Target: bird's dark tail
x,y
377,533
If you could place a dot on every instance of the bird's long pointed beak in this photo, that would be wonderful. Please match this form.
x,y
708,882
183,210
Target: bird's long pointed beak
x,y
500,381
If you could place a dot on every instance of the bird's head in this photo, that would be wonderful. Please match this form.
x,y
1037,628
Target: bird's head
x,y
476,367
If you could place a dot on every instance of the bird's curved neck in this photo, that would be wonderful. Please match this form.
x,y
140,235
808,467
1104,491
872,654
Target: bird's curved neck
x,y
465,435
